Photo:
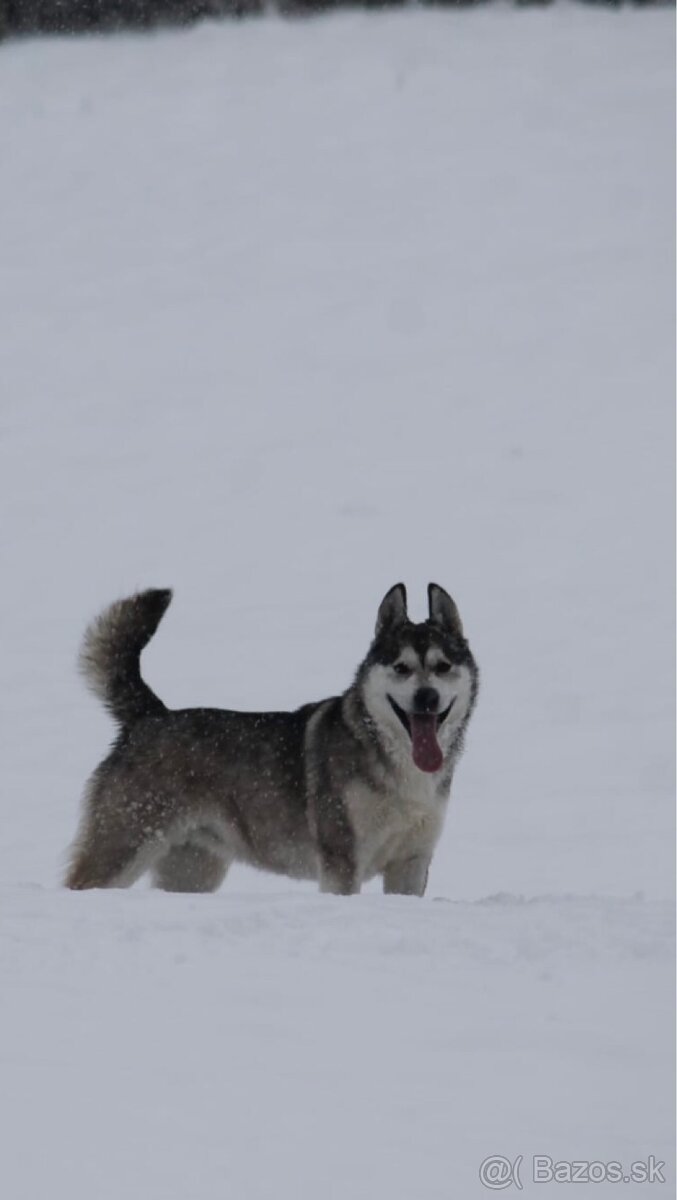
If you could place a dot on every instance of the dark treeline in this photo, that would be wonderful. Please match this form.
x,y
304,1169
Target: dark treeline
x,y
73,16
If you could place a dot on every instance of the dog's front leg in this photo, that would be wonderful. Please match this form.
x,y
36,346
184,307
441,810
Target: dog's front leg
x,y
338,876
335,842
407,877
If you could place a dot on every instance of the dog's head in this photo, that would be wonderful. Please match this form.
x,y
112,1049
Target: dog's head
x,y
419,681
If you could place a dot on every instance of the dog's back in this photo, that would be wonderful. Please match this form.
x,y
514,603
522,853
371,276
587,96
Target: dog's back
x,y
185,792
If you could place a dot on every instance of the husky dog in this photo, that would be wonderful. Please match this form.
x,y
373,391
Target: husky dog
x,y
339,791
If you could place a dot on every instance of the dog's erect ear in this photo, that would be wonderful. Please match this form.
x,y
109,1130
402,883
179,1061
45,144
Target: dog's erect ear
x,y
443,611
393,609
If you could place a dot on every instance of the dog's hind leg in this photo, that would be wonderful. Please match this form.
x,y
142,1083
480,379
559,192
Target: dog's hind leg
x,y
105,862
190,868
119,838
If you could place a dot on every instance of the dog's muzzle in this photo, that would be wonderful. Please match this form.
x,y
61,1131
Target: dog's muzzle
x,y
426,701
422,725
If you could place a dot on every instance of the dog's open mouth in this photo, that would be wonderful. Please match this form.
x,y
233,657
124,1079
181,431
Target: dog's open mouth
x,y
422,729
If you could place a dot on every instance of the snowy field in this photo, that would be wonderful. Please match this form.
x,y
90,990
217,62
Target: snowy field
x,y
289,312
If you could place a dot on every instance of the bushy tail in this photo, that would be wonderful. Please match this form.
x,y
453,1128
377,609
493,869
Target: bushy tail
x,y
110,653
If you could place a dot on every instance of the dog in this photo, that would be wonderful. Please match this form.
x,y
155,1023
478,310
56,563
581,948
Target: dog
x,y
339,791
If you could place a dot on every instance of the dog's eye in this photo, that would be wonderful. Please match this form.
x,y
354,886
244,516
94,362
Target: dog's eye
x,y
442,668
402,669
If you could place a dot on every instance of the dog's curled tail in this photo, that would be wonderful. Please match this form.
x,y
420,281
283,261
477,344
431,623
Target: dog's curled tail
x,y
111,650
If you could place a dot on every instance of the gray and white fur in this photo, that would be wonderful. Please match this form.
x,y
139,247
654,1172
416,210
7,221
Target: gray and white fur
x,y
339,791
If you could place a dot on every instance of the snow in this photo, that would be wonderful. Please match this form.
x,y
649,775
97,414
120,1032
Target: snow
x,y
298,1046
291,311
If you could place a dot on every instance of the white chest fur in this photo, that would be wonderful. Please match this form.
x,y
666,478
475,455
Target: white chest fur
x,y
395,822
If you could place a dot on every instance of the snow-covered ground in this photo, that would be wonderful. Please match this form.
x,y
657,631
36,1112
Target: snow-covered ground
x,y
291,311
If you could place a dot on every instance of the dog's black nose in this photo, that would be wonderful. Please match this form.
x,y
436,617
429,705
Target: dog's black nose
x,y
426,700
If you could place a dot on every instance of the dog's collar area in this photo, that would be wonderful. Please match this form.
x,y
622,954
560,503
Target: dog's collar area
x,y
404,719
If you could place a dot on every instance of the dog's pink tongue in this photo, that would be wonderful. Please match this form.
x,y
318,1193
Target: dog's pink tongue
x,y
424,744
